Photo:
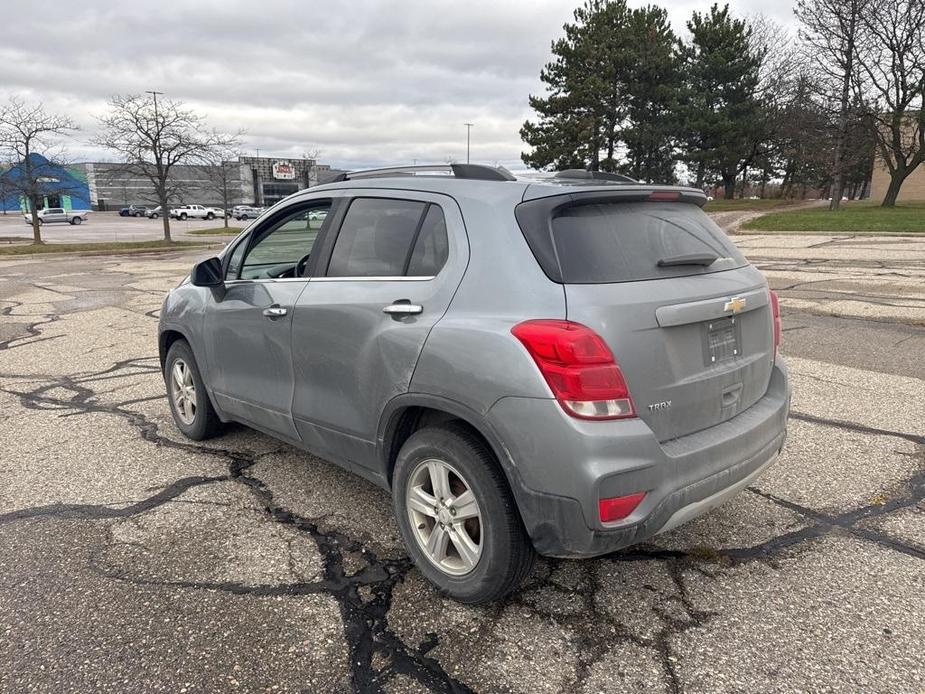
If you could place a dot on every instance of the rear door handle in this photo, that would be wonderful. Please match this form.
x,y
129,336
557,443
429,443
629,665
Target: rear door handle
x,y
275,312
403,308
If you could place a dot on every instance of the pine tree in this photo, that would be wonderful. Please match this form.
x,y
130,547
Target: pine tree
x,y
652,87
722,108
580,118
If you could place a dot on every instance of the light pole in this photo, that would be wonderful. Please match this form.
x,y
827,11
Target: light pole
x,y
156,151
154,94
468,131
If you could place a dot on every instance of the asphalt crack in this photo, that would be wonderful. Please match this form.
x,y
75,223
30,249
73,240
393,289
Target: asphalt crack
x,y
365,619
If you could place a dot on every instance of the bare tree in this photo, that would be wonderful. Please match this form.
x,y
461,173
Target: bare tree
x,y
891,55
28,136
154,136
222,174
830,30
777,85
5,166
312,153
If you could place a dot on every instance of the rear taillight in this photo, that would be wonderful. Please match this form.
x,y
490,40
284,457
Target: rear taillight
x,y
775,312
579,368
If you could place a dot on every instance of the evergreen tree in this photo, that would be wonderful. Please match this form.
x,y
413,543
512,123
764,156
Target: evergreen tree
x,y
722,112
580,118
652,84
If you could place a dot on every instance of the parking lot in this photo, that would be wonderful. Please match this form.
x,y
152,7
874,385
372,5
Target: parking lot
x,y
108,226
131,558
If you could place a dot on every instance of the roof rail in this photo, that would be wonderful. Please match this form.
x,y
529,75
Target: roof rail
x,y
478,172
595,175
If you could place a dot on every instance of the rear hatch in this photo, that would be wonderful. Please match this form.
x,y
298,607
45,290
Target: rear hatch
x,y
687,318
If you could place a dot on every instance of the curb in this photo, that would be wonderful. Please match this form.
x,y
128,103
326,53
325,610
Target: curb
x,y
112,251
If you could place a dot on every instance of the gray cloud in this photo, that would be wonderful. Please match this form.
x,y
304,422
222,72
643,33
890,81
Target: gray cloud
x,y
366,82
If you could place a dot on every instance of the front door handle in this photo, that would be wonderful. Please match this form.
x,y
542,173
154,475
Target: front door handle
x,y
275,312
403,308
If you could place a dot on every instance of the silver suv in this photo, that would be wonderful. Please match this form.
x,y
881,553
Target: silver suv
x,y
565,366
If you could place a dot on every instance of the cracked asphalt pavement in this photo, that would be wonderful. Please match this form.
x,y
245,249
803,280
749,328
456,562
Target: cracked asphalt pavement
x,y
131,558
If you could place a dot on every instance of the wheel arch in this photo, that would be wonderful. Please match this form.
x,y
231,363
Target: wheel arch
x,y
164,342
406,414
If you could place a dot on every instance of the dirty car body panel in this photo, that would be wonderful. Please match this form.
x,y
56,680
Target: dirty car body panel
x,y
336,375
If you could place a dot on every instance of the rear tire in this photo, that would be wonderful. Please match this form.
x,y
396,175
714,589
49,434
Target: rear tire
x,y
155,215
210,216
189,402
505,556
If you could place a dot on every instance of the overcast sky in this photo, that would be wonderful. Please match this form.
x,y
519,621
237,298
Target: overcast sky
x,y
364,82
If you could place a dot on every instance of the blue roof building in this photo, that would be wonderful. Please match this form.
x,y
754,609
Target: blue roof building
x,y
58,186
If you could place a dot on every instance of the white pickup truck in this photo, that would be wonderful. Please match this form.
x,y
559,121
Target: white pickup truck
x,y
58,214
192,211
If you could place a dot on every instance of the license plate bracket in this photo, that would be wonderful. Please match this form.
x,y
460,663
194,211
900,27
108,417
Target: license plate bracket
x,y
721,340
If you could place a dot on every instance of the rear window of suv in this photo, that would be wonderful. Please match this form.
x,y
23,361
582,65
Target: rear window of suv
x,y
611,242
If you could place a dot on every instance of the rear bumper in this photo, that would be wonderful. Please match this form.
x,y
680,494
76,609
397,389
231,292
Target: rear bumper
x,y
562,466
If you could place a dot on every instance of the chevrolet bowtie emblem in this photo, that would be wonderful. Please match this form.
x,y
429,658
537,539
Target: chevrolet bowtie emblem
x,y
735,304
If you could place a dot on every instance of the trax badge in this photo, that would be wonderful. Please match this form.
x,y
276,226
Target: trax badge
x,y
658,406
735,304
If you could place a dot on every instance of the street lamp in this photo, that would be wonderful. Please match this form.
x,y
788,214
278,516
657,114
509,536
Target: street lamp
x,y
154,94
468,131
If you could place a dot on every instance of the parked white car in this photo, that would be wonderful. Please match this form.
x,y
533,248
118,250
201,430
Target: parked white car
x,y
192,212
245,212
59,214
219,212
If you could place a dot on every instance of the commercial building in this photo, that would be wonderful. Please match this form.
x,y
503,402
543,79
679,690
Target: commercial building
x,y
55,185
259,181
913,187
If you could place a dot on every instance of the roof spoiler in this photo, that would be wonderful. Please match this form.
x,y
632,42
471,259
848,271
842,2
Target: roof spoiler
x,y
478,172
594,176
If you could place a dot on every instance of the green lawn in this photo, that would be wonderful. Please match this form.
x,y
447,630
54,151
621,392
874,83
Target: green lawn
x,y
739,204
860,217
216,231
125,246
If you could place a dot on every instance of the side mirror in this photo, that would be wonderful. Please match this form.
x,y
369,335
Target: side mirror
x,y
208,273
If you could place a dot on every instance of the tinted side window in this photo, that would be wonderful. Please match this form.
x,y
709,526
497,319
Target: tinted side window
x,y
431,249
375,238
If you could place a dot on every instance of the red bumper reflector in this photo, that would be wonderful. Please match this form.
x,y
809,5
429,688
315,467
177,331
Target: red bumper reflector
x,y
619,507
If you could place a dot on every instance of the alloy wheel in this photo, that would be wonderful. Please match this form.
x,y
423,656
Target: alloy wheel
x,y
183,391
445,516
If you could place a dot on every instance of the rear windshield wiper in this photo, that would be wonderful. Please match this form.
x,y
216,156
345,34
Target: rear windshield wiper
x,y
688,259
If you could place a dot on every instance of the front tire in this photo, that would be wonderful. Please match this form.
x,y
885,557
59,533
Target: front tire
x,y
189,402
155,215
183,216
457,516
76,220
